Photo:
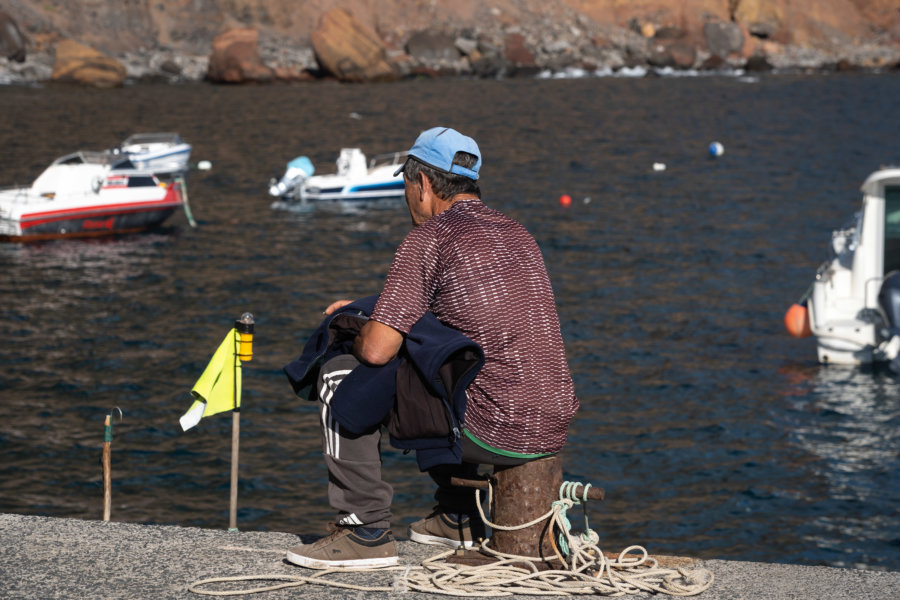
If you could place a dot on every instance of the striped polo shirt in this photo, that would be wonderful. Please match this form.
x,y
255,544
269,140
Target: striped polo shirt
x,y
483,274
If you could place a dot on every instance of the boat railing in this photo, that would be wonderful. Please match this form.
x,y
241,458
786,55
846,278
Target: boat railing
x,y
391,158
15,195
86,157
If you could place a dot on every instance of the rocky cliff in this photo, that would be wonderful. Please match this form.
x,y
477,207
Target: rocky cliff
x,y
358,40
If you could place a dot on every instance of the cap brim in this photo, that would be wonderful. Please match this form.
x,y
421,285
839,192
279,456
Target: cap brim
x,y
400,169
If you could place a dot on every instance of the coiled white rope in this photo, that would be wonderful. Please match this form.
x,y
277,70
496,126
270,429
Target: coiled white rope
x,y
589,570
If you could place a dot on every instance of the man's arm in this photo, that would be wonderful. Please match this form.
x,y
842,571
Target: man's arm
x,y
376,344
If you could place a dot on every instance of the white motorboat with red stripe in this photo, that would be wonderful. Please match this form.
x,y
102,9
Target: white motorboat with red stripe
x,y
88,194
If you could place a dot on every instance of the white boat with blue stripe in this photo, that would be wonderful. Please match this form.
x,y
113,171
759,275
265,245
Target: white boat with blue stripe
x,y
163,153
357,184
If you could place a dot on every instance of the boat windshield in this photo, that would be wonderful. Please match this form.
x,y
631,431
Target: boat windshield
x,y
891,228
393,158
84,157
143,139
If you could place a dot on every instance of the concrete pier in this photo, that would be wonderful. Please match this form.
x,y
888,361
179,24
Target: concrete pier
x,y
43,557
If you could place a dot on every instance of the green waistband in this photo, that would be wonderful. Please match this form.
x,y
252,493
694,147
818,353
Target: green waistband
x,y
509,453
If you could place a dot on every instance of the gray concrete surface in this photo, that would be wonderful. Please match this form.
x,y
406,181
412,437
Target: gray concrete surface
x,y
43,557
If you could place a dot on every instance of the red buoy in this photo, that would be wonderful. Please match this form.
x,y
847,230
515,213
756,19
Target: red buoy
x,y
796,321
565,200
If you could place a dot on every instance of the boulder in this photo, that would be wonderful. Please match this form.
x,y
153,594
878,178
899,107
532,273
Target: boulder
x,y
235,58
670,32
658,56
519,60
77,63
723,38
12,42
348,50
466,46
431,47
684,55
714,63
758,63
516,52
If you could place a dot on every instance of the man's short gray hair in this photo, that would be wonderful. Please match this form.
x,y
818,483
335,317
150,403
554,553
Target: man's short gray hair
x,y
445,185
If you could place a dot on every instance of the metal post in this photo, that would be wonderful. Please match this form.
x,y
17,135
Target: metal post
x,y
235,442
243,351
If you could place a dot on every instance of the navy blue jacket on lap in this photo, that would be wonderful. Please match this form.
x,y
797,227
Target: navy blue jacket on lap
x,y
419,395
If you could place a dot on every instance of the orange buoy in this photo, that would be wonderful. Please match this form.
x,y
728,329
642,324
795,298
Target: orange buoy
x,y
565,200
796,321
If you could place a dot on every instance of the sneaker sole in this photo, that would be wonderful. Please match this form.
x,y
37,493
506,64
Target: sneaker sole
x,y
359,563
436,540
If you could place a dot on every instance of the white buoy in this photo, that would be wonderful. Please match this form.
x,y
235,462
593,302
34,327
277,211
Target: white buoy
x,y
204,165
659,166
716,149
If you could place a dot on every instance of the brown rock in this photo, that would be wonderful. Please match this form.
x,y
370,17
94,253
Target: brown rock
x,y
723,38
658,55
235,58
758,63
349,50
714,63
844,66
77,63
288,74
669,32
807,23
432,47
684,55
12,42
515,51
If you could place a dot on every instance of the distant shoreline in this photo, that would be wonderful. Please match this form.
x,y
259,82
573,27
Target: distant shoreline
x,y
36,72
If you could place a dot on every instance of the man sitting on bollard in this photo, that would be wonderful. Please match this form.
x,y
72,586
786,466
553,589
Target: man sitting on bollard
x,y
481,275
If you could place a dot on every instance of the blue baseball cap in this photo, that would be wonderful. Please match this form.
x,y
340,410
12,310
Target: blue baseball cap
x,y
437,146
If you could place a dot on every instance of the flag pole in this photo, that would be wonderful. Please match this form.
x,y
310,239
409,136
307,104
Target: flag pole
x,y
243,351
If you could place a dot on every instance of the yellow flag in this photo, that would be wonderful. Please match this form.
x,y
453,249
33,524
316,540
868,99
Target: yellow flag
x,y
219,387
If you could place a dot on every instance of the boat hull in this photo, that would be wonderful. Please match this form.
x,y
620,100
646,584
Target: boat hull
x,y
354,187
358,196
169,162
89,221
846,314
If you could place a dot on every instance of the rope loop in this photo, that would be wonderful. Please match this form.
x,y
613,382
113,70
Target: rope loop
x,y
586,568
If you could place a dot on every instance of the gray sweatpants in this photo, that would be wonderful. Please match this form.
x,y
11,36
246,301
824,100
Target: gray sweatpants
x,y
355,487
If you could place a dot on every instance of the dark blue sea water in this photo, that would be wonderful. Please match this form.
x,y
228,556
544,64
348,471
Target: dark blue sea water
x,y
714,433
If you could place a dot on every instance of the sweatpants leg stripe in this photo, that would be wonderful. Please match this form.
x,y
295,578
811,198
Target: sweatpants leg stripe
x,y
330,382
351,519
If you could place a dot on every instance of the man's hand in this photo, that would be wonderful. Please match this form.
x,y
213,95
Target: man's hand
x,y
336,305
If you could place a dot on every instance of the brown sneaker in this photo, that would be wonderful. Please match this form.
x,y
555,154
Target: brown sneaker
x,y
344,548
441,529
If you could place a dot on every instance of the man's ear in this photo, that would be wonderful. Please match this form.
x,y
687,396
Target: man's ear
x,y
425,183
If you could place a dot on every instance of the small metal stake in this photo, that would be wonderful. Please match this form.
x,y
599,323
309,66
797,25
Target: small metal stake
x,y
107,475
107,463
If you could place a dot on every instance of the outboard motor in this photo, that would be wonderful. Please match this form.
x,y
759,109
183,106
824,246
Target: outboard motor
x,y
889,301
298,171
